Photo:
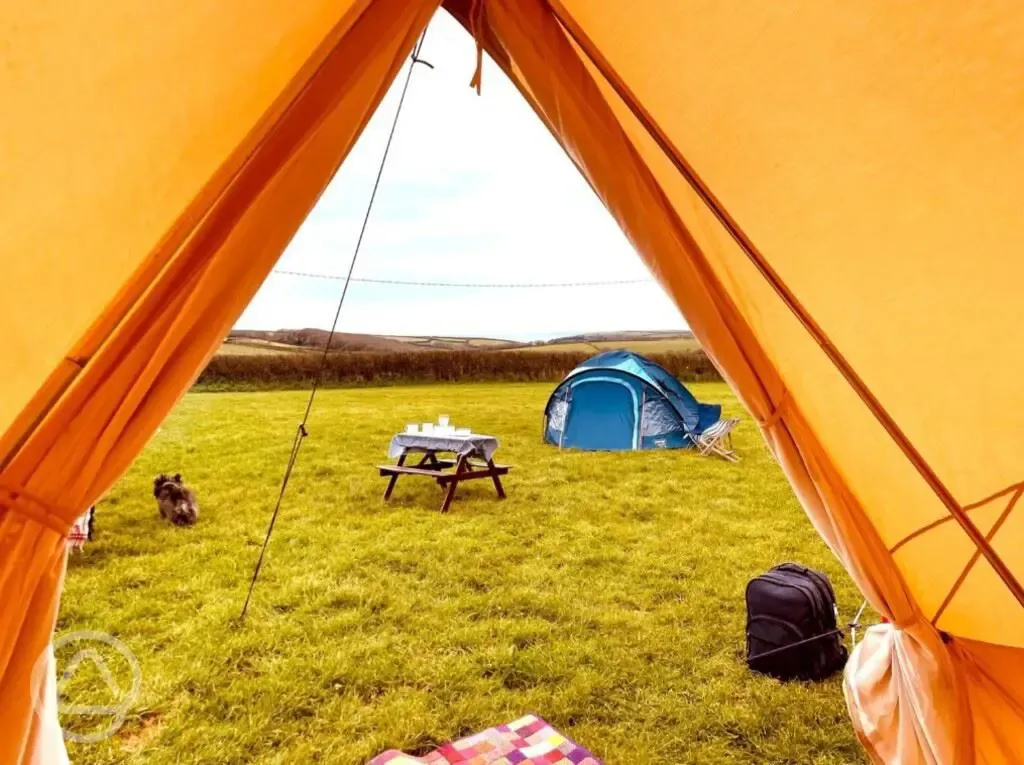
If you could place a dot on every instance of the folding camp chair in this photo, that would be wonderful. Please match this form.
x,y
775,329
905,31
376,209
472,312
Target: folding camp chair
x,y
717,439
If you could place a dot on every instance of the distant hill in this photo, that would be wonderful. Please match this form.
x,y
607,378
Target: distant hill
x,y
625,337
263,342
290,340
655,341
456,343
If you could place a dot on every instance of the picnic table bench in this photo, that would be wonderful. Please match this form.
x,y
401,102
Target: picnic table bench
x,y
474,458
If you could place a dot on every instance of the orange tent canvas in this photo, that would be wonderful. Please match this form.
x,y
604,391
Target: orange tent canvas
x,y
826,190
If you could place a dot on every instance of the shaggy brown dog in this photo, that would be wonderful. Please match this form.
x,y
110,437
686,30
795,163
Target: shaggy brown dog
x,y
176,501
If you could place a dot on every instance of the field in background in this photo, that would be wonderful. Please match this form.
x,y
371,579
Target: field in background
x,y
257,348
454,343
647,347
315,339
253,342
606,594
355,368
291,358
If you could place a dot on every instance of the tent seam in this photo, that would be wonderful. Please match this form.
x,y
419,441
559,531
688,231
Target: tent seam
x,y
974,558
968,507
50,516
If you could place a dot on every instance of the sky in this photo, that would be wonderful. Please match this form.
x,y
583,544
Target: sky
x,y
475,190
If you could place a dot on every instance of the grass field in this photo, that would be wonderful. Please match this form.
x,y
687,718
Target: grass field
x,y
657,346
606,594
666,345
450,343
256,348
640,342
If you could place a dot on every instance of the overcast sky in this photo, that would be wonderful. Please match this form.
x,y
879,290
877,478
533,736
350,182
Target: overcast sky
x,y
475,190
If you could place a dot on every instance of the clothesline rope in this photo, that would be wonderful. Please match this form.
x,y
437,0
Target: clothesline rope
x,y
472,285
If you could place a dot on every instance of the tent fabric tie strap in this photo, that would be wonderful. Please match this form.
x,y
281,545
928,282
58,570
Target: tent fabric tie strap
x,y
30,505
476,17
779,409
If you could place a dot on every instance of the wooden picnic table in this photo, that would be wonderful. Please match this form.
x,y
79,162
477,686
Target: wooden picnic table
x,y
473,458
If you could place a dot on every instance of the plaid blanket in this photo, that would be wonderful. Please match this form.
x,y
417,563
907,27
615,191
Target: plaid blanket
x,y
527,741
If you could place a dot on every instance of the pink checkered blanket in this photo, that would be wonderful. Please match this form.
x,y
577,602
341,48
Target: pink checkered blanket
x,y
527,741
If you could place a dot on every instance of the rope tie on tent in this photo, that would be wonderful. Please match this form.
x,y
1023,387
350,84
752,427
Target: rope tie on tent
x,y
476,17
776,414
301,432
29,505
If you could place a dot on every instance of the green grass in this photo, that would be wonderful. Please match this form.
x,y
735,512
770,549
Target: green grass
x,y
606,594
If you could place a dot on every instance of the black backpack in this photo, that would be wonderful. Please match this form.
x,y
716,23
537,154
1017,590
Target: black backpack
x,y
787,606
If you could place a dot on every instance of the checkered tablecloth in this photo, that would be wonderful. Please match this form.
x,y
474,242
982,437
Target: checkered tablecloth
x,y
527,741
474,445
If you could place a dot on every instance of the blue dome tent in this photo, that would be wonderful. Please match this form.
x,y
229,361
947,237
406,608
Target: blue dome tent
x,y
621,400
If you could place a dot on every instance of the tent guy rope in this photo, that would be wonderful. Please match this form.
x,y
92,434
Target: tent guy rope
x,y
302,432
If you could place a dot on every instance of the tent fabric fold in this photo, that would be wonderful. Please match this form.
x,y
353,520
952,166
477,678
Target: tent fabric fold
x,y
825,189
